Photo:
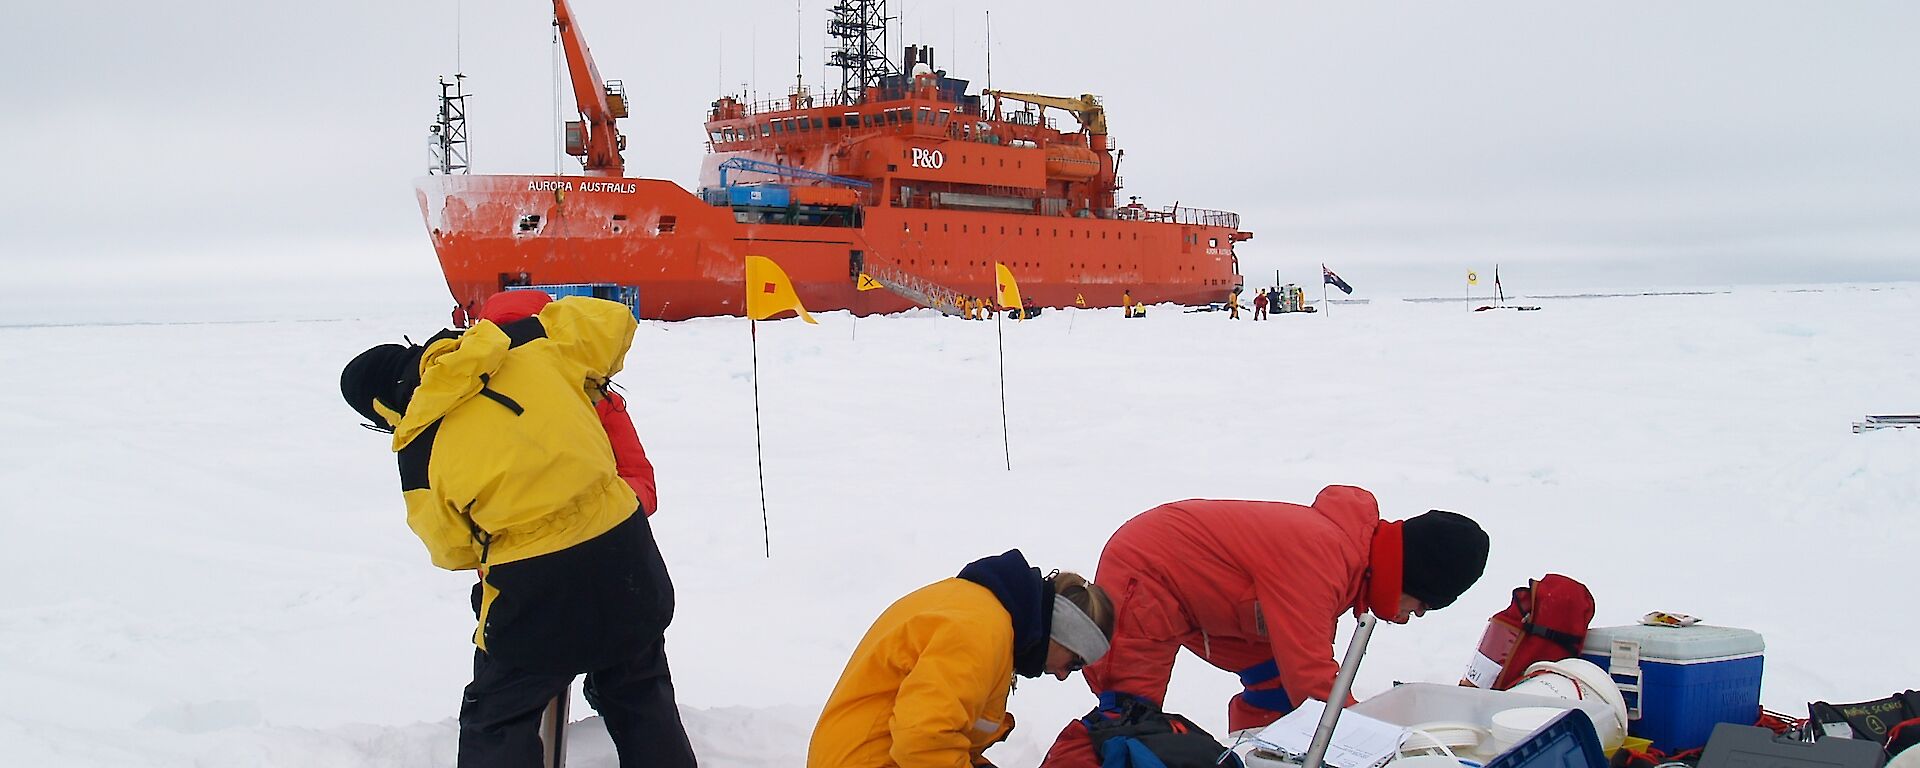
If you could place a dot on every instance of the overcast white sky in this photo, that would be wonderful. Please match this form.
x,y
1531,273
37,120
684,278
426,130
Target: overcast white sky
x,y
1619,143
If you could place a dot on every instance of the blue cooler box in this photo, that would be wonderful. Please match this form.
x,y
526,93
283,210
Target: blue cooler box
x,y
1681,681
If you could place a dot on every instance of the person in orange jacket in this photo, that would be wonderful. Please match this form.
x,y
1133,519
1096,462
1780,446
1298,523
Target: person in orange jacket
x,y
629,456
1258,588
927,686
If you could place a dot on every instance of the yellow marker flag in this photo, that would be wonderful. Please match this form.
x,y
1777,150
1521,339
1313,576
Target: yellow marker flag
x,y
867,283
1006,291
1080,299
1472,278
769,292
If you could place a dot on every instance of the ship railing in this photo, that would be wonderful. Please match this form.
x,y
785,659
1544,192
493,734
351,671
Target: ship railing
x,y
807,101
1204,217
912,287
1178,214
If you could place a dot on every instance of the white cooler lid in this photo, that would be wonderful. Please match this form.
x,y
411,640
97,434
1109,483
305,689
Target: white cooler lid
x,y
1700,641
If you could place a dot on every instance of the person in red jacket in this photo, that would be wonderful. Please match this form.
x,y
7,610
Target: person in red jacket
x,y
629,457
1258,588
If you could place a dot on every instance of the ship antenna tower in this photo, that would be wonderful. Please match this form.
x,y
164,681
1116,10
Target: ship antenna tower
x,y
861,28
447,139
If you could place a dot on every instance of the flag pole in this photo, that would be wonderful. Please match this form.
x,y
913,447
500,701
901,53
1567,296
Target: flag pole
x,y
1000,341
753,332
1326,306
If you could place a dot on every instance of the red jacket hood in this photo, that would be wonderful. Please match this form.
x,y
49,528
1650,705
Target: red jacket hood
x,y
507,306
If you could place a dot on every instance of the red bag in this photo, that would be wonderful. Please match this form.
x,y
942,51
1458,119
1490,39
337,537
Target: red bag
x,y
1546,622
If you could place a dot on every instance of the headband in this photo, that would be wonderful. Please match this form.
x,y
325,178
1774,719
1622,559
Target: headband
x,y
1076,632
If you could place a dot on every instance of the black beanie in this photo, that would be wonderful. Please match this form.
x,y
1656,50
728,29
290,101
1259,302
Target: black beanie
x,y
383,372
1444,553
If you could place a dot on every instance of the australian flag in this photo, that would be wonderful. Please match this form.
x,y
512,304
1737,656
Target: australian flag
x,y
1334,280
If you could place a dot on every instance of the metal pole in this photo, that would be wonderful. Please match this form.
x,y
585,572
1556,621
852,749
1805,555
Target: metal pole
x,y
1000,342
1342,686
759,460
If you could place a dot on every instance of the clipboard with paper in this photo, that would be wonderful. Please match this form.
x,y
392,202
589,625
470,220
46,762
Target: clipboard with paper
x,y
1358,741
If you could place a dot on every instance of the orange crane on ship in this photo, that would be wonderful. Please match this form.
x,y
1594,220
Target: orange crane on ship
x,y
595,138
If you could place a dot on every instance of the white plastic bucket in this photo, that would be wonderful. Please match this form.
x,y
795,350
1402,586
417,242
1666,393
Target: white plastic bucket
x,y
1511,726
1576,680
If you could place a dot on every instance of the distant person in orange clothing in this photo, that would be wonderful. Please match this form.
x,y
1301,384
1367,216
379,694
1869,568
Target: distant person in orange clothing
x,y
1260,305
1126,303
1233,305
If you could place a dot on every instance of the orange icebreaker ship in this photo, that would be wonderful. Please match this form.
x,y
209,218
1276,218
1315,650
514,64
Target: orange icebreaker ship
x,y
900,175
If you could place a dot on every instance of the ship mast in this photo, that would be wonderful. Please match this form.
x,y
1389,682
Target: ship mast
x,y
861,27
595,138
447,139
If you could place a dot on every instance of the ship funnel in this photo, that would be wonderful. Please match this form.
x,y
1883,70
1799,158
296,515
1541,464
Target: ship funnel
x,y
917,55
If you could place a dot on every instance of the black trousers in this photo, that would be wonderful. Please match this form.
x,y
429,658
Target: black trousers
x,y
500,713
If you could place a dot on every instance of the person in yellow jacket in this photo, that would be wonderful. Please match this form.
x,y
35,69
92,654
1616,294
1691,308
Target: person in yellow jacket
x,y
506,471
927,686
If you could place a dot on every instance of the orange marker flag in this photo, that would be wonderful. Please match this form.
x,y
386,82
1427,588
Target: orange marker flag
x,y
769,292
1006,291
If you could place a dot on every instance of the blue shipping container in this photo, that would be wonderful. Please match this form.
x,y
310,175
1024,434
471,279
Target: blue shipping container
x,y
760,195
625,294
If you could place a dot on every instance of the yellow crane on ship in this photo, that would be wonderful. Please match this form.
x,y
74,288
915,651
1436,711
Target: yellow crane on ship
x,y
1085,109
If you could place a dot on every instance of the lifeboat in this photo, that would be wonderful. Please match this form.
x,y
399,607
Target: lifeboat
x,y
1071,162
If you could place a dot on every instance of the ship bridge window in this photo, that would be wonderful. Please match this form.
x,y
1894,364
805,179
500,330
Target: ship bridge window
x,y
766,129
944,116
779,126
833,122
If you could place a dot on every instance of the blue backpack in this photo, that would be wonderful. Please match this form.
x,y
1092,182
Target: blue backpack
x,y
1131,732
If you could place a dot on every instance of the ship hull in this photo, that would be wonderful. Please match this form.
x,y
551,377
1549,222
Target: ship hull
x,y
685,257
